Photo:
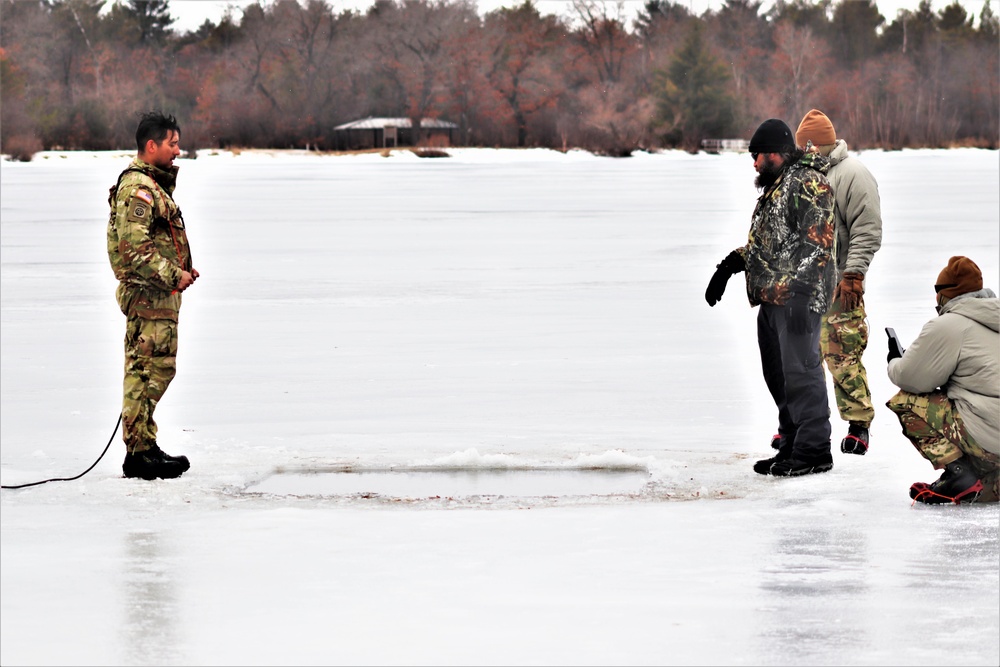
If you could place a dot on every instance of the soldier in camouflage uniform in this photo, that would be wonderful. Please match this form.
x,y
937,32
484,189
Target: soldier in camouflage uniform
x,y
949,377
858,219
149,253
790,275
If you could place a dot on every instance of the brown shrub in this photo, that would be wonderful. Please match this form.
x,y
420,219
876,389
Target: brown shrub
x,y
21,147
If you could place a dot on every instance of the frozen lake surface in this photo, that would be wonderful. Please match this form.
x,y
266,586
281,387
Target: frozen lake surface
x,y
453,483
475,317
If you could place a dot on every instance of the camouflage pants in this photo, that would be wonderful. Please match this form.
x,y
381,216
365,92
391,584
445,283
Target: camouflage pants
x,y
843,340
150,363
934,426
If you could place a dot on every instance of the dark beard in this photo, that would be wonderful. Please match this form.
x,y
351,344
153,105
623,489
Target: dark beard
x,y
769,174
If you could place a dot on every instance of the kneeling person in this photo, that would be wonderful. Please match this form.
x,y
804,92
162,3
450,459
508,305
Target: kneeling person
x,y
949,406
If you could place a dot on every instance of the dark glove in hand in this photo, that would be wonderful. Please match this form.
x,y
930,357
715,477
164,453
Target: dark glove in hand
x,y
733,263
895,351
849,290
799,320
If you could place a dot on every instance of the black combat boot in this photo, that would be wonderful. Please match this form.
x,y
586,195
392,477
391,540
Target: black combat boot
x,y
763,467
183,460
957,484
800,464
153,463
856,440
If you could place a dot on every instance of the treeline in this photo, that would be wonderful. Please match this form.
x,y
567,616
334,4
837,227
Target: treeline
x,y
284,73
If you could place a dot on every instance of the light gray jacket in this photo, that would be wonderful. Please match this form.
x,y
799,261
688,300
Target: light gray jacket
x,y
959,351
857,212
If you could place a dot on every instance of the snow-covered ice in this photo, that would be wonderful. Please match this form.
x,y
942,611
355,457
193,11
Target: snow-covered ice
x,y
495,310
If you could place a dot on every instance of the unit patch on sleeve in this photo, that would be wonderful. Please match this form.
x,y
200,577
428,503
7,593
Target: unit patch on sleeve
x,y
138,209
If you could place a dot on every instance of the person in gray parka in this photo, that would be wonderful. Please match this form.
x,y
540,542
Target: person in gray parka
x,y
858,218
949,377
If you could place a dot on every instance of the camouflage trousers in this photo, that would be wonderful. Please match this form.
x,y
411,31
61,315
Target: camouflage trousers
x,y
843,340
150,364
932,423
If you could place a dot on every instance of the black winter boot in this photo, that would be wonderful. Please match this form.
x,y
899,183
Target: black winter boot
x,y
802,465
856,440
183,460
957,484
763,467
153,463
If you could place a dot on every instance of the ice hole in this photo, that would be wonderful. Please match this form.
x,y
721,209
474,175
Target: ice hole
x,y
413,483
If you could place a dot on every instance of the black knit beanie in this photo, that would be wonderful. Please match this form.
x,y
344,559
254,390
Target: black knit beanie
x,y
773,136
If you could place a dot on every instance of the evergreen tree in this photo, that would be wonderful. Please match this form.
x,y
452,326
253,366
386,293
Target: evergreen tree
x,y
989,24
693,100
856,22
955,19
153,18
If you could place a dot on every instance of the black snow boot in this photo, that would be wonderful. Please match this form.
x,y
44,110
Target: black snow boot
x,y
183,460
799,464
763,467
957,484
856,440
153,463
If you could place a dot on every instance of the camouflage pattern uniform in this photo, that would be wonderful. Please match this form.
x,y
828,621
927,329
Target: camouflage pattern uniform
x,y
933,424
858,218
843,340
148,249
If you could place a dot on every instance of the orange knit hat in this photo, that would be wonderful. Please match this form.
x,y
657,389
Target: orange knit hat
x,y
961,276
815,127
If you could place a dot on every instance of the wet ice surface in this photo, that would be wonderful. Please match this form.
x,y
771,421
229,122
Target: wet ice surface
x,y
452,483
491,313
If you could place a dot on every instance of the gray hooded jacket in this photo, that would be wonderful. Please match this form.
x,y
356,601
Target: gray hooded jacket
x,y
959,351
857,212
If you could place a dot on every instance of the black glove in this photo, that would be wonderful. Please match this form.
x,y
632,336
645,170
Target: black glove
x,y
732,264
799,318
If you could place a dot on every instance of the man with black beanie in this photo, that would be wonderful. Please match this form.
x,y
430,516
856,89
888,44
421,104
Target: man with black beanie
x,y
790,274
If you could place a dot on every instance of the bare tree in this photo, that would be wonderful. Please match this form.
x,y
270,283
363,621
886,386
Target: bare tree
x,y
521,44
602,36
410,42
801,60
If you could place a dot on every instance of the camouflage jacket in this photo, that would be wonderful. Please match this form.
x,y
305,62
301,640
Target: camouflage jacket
x,y
147,243
790,246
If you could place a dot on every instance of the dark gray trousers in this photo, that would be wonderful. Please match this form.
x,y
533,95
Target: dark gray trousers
x,y
793,372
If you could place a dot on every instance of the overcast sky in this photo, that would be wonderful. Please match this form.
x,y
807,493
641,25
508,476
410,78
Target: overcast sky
x,y
190,14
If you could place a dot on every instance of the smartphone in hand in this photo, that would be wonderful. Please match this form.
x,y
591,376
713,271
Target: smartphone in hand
x,y
896,349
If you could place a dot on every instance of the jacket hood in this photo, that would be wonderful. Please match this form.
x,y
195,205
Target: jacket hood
x,y
839,153
982,307
815,161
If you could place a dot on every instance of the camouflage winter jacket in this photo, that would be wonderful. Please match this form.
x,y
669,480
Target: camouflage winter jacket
x,y
147,243
790,246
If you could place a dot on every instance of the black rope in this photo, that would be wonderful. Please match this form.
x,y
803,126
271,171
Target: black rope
x,y
69,479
